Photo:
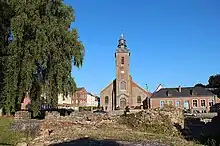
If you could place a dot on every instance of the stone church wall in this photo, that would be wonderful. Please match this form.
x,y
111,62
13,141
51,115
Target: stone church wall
x,y
138,92
107,92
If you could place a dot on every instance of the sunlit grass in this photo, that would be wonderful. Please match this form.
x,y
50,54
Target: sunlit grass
x,y
7,136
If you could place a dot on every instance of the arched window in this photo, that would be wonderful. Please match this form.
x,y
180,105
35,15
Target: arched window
x,y
106,99
123,85
139,99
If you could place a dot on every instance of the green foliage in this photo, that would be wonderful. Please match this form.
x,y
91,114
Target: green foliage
x,y
200,85
41,54
214,81
5,17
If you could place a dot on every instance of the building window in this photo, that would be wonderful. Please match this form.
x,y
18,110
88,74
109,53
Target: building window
x,y
123,85
211,102
122,60
106,99
186,104
178,103
195,103
170,102
162,103
139,99
203,103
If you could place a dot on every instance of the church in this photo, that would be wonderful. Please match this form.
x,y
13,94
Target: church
x,y
123,91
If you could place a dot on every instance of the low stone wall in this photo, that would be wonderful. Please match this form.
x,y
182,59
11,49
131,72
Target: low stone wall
x,y
22,115
77,116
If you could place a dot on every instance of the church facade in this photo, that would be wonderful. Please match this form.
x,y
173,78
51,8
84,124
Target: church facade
x,y
123,91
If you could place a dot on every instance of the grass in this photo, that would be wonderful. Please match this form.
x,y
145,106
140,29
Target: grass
x,y
7,136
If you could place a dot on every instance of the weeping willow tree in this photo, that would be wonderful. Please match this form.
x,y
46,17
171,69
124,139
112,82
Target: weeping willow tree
x,y
5,17
41,54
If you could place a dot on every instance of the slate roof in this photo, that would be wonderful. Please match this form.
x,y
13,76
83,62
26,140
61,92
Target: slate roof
x,y
185,92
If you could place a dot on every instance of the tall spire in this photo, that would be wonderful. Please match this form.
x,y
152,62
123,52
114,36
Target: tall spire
x,y
122,42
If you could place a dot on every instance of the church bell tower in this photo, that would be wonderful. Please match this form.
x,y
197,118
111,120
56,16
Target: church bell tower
x,y
123,80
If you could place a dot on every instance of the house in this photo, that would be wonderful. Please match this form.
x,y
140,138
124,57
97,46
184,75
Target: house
x,y
65,101
92,100
82,98
123,91
192,98
79,97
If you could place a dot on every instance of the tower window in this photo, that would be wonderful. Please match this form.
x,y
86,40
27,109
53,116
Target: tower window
x,y
122,60
123,85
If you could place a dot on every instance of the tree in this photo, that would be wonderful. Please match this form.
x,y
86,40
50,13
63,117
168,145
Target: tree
x,y
214,81
200,85
5,17
41,54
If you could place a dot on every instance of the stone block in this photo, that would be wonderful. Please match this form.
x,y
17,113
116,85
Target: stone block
x,y
22,115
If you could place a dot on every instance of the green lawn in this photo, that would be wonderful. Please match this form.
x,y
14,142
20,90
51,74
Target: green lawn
x,y
7,136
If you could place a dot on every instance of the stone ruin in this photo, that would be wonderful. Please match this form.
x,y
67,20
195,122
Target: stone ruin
x,y
22,115
166,120
54,123
77,116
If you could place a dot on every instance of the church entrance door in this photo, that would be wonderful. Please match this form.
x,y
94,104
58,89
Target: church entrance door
x,y
122,103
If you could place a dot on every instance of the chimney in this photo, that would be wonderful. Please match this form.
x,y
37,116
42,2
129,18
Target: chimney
x,y
179,88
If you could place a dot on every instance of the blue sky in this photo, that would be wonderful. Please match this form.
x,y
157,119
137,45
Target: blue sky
x,y
172,42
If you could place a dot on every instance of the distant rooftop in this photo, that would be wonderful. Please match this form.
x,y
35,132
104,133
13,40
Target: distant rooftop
x,y
182,92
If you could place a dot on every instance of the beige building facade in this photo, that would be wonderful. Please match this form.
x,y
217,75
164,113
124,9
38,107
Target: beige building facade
x,y
123,91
